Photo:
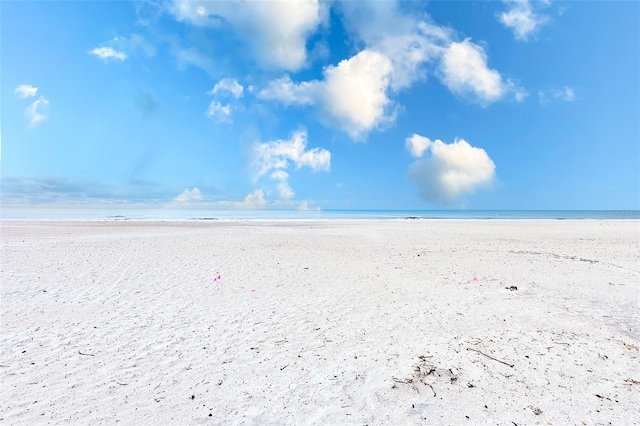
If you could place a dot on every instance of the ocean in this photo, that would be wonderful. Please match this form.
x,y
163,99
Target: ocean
x,y
169,214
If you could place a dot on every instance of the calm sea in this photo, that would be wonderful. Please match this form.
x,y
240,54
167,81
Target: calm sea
x,y
127,213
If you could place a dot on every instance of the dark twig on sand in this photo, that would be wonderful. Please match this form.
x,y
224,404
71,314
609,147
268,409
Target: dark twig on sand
x,y
86,354
490,357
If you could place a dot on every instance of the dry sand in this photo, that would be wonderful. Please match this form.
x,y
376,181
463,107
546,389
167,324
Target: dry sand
x,y
321,322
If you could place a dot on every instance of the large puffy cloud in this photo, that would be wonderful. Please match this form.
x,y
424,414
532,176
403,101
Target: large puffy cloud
x,y
277,31
353,94
450,171
356,94
521,18
465,72
408,42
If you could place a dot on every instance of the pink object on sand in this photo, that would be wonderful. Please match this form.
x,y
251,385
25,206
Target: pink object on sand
x,y
475,278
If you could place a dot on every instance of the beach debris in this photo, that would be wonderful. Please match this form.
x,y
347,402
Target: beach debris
x,y
86,354
632,382
475,278
490,357
420,373
512,288
216,278
604,397
536,411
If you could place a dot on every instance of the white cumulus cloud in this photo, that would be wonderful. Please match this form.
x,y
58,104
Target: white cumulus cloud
x,y
408,42
254,200
521,19
450,171
25,91
352,96
189,195
106,53
465,72
276,31
228,86
277,155
355,92
400,49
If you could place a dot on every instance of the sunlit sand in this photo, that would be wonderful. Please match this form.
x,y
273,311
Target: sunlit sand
x,y
321,322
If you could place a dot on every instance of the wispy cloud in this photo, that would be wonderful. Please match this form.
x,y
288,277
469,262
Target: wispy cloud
x,y
107,53
134,43
521,18
60,191
219,112
228,86
191,56
565,94
450,171
188,196
119,48
35,112
25,91
147,103
228,89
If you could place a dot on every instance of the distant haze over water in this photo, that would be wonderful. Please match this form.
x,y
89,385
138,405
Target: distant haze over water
x,y
128,213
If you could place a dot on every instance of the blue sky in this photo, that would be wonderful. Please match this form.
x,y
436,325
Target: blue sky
x,y
321,105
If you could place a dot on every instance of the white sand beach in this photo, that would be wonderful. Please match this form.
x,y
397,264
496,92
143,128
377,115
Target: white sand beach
x,y
321,322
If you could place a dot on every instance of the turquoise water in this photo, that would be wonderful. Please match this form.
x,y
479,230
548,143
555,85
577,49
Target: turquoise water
x,y
127,213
